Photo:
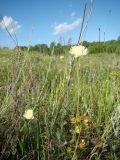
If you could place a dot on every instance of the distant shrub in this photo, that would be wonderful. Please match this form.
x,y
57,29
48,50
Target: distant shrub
x,y
111,49
117,50
97,48
112,46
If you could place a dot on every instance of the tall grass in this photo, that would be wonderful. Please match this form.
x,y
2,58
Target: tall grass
x,y
40,83
75,104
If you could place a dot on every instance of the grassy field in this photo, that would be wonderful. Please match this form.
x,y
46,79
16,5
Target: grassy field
x,y
78,121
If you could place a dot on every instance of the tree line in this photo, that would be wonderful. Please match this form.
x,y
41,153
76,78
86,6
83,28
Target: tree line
x,y
112,46
54,48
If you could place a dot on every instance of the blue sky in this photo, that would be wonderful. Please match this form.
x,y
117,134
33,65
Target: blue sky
x,y
44,21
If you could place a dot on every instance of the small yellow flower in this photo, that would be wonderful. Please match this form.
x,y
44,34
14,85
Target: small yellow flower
x,y
87,125
28,114
61,57
75,120
115,73
82,144
78,119
85,120
78,51
78,129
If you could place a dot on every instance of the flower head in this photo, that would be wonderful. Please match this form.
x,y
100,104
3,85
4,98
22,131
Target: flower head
x,y
78,129
86,121
75,120
61,57
82,144
28,114
78,51
116,73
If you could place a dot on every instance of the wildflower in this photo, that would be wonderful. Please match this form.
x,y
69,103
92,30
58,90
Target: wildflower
x,y
28,114
78,129
61,57
86,121
87,125
82,144
116,73
78,51
75,120
83,117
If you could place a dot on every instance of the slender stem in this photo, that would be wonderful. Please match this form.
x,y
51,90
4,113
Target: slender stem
x,y
81,30
90,13
15,41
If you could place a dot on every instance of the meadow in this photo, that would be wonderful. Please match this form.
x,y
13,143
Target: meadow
x,y
79,121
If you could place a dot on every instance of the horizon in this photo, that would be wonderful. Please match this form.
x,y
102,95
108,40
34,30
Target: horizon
x,y
38,22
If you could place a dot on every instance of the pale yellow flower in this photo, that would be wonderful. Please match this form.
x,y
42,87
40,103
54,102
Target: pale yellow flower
x,y
28,114
78,51
61,57
78,129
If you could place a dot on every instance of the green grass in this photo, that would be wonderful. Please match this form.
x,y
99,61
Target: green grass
x,y
34,81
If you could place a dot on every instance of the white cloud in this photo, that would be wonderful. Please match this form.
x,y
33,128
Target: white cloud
x,y
66,27
72,14
10,24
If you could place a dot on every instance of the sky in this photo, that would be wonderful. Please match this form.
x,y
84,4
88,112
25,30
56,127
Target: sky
x,y
44,21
